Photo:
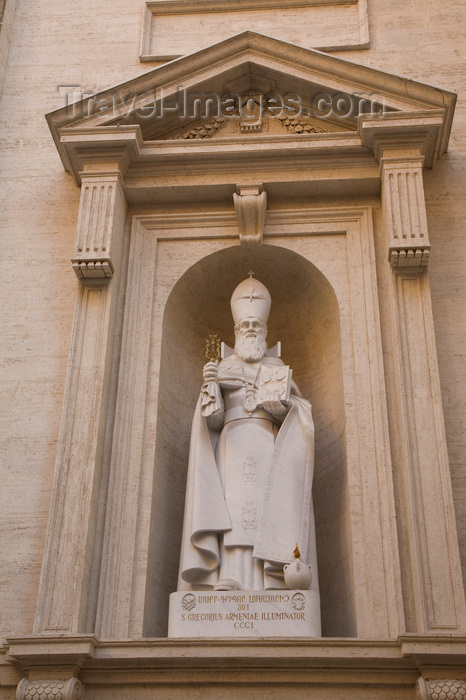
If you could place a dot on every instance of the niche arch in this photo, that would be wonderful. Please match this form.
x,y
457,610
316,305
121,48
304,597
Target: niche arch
x,y
305,317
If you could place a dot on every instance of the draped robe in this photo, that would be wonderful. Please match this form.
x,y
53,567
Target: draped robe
x,y
249,484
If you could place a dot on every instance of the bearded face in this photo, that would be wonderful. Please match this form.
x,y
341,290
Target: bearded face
x,y
250,339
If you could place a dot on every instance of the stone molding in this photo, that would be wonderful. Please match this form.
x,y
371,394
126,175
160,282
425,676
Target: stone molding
x,y
391,664
220,156
250,206
433,586
441,689
350,154
70,689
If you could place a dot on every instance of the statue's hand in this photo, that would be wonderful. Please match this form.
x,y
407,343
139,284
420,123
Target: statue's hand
x,y
210,372
274,406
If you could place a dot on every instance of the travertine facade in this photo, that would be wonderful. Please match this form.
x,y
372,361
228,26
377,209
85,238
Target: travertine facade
x,y
355,223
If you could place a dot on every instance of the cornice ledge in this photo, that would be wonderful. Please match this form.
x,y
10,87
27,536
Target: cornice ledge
x,y
79,146
423,131
69,650
82,651
256,148
434,647
312,140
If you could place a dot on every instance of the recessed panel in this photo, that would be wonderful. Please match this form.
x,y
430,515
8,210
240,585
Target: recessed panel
x,y
174,28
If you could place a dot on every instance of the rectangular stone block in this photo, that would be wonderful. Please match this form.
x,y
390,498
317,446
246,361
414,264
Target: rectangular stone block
x,y
275,613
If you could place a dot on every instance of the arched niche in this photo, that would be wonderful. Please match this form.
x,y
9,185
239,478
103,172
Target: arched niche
x,y
305,317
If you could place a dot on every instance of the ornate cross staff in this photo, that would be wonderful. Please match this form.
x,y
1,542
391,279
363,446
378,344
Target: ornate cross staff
x,y
212,348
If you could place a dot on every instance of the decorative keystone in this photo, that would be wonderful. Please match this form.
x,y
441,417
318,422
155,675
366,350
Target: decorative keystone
x,y
250,205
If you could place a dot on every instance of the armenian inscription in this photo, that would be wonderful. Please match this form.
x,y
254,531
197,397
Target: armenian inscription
x,y
242,613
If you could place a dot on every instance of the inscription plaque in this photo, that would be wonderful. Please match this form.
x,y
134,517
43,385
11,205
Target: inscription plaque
x,y
274,613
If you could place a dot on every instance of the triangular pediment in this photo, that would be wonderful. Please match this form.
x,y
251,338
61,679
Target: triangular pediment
x,y
319,94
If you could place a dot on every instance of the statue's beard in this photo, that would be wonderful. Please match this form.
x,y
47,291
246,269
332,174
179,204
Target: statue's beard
x,y
249,348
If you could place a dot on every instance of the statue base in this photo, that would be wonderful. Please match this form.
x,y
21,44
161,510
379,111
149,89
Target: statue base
x,y
272,613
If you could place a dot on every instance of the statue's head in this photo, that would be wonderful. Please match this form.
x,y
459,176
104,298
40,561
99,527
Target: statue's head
x,y
250,306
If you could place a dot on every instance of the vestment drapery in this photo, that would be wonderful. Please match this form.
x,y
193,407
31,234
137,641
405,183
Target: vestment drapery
x,y
286,513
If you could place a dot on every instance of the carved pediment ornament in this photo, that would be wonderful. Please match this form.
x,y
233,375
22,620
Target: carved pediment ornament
x,y
293,125
203,131
300,125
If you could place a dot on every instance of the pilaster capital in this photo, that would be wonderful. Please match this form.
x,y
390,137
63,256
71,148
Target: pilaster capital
x,y
250,205
404,209
394,159
102,199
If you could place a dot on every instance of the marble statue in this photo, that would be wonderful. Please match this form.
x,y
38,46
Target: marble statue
x,y
248,494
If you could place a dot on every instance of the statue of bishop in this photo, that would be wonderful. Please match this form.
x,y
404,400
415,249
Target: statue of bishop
x,y
249,484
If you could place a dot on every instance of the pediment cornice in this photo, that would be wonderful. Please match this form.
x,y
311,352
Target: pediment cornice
x,y
118,119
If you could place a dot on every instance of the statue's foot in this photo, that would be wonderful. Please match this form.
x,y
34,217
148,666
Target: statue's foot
x,y
227,584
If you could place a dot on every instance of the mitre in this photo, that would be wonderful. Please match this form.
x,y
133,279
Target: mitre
x,y
251,299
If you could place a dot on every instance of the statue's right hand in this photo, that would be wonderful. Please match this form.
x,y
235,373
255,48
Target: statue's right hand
x,y
210,372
